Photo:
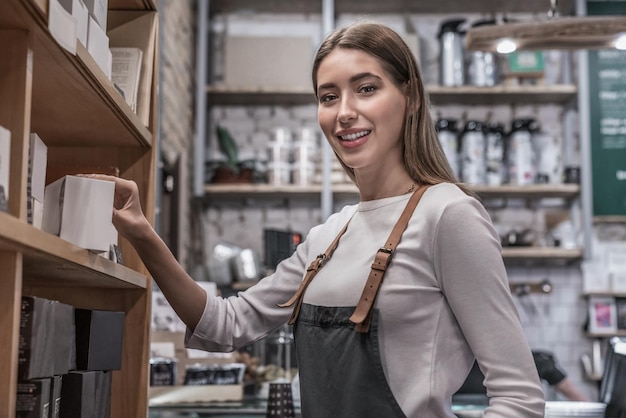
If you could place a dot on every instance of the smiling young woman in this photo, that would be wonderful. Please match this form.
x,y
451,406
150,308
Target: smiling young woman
x,y
368,347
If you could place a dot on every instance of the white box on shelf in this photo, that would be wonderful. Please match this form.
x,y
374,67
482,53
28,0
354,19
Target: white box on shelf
x,y
80,210
5,162
62,26
36,183
78,9
602,314
98,46
98,9
260,62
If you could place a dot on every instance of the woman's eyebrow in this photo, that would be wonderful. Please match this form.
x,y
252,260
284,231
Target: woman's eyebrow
x,y
354,78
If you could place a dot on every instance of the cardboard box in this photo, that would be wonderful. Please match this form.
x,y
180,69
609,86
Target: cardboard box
x,y
137,29
99,336
86,394
36,183
80,210
98,46
55,396
33,399
103,394
64,337
268,62
36,345
98,9
172,345
79,10
5,163
78,393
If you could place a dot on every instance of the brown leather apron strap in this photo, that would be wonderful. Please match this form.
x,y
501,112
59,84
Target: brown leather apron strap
x,y
362,315
311,271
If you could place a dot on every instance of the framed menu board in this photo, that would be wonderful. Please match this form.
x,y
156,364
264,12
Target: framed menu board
x,y
607,87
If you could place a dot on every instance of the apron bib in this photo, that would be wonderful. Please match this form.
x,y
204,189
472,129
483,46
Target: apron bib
x,y
337,348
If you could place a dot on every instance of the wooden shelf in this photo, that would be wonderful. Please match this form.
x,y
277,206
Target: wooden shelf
x,y
497,95
86,124
541,253
249,190
620,333
390,6
231,96
54,261
439,95
529,192
72,91
535,191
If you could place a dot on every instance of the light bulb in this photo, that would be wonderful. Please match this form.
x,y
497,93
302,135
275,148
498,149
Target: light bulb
x,y
620,42
506,46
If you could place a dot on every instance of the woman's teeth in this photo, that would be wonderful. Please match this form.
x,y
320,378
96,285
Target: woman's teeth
x,y
352,137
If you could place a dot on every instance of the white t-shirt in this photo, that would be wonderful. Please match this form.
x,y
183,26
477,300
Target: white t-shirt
x,y
445,299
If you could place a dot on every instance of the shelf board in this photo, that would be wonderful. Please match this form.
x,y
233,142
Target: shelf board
x,y
389,6
535,191
248,190
606,294
73,102
231,96
439,95
541,253
619,333
500,94
52,261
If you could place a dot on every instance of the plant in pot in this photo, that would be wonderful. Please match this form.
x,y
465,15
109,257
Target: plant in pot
x,y
231,170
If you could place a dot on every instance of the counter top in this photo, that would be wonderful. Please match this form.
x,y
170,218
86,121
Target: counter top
x,y
252,407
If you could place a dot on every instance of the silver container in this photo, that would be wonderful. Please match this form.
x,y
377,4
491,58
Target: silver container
x,y
521,166
448,138
473,166
452,53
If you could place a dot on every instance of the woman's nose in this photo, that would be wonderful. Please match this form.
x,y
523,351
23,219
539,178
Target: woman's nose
x,y
347,111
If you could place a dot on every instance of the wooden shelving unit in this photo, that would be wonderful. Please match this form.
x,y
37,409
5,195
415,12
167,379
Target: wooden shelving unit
x,y
86,124
507,191
439,95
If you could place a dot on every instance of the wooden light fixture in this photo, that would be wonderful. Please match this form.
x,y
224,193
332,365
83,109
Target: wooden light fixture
x,y
581,32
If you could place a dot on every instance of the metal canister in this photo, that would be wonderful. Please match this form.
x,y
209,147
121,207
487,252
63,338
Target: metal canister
x,y
494,154
520,154
472,145
483,65
451,53
448,138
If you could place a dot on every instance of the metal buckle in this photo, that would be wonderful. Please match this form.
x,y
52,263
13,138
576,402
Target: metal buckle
x,y
385,250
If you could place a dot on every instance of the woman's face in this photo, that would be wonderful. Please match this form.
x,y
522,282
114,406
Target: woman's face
x,y
361,110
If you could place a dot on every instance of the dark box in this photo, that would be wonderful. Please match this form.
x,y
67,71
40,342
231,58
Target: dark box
x,y
99,337
78,392
33,399
64,339
55,396
86,394
36,347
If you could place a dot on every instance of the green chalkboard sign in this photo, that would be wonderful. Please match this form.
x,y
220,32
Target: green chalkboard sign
x,y
607,106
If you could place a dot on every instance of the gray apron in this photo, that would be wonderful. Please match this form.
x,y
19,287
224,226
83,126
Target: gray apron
x,y
337,348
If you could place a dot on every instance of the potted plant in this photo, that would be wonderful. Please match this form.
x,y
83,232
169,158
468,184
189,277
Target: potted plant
x,y
230,170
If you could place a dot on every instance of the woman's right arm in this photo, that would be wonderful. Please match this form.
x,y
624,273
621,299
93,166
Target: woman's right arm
x,y
185,296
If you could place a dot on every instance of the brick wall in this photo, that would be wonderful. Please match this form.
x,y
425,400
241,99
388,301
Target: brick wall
x,y
177,37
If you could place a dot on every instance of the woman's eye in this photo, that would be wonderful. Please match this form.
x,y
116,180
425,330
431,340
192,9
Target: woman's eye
x,y
367,89
327,98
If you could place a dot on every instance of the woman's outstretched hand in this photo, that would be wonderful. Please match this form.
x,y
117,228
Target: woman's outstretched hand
x,y
128,217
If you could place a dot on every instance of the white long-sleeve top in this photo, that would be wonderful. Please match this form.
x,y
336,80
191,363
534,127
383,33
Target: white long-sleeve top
x,y
445,299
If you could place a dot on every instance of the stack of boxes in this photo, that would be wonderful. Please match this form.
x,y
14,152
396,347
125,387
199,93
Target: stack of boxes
x,y
66,356
91,22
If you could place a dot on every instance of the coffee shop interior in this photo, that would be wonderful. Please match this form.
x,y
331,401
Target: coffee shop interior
x,y
208,106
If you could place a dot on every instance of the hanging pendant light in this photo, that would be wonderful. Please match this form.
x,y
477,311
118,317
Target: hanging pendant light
x,y
556,32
